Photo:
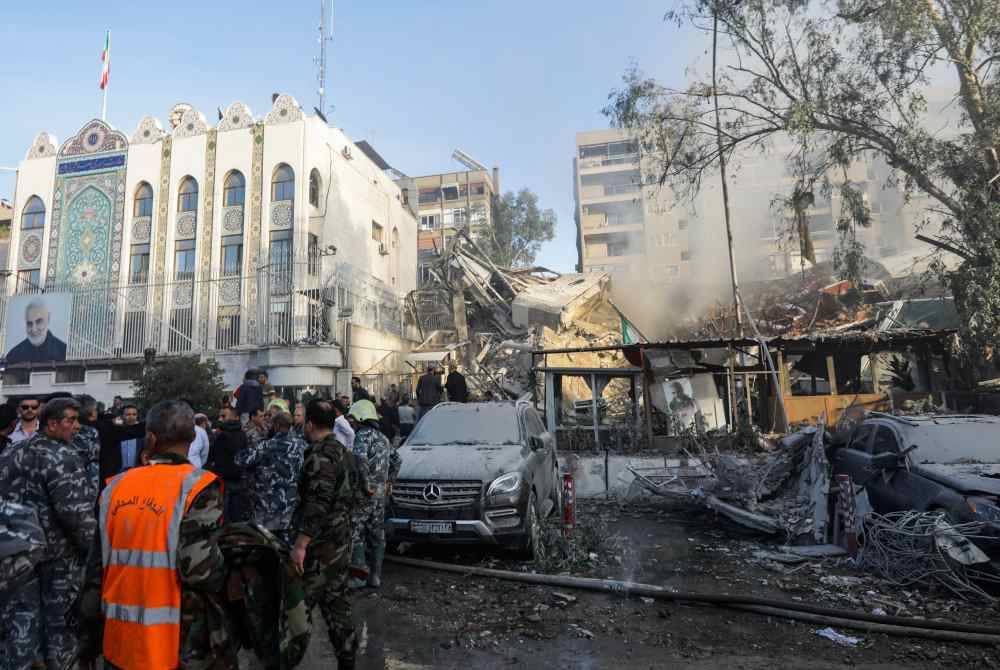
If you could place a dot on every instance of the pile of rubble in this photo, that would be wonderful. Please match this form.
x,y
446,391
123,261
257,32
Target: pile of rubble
x,y
491,318
811,301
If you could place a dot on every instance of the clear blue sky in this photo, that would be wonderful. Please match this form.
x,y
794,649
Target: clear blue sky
x,y
510,82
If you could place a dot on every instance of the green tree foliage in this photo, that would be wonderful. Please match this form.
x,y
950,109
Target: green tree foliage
x,y
844,79
182,378
519,229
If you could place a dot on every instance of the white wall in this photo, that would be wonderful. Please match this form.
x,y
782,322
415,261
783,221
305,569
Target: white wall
x,y
34,177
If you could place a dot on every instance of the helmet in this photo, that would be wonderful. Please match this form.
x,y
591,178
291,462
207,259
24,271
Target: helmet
x,y
363,410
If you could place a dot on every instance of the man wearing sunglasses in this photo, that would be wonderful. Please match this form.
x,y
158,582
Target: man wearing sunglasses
x,y
27,411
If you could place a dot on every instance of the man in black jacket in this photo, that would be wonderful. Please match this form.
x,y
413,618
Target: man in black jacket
x,y
458,390
221,460
429,391
121,445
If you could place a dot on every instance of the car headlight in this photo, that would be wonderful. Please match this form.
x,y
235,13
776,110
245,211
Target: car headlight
x,y
505,485
984,509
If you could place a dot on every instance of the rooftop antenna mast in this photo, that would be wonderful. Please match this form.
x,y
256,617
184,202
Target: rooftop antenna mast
x,y
325,37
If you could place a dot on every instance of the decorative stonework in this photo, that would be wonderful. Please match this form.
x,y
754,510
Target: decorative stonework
x,y
43,147
284,110
85,241
136,299
96,137
31,250
187,223
281,214
232,220
229,291
142,227
183,294
205,251
149,131
192,124
160,248
236,116
252,246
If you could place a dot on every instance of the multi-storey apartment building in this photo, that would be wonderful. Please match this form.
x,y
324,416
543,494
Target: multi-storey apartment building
x,y
262,242
625,227
446,202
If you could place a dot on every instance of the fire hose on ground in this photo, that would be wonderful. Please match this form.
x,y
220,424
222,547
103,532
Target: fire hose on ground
x,y
944,631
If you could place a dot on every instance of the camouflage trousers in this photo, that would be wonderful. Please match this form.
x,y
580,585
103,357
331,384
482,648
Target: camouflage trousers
x,y
59,585
21,627
326,572
368,523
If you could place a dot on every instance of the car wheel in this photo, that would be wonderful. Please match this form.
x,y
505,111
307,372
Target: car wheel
x,y
532,529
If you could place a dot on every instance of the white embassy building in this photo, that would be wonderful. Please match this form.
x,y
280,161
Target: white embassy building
x,y
271,243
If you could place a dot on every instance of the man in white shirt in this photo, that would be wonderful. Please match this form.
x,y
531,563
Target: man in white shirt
x,y
27,425
341,428
198,451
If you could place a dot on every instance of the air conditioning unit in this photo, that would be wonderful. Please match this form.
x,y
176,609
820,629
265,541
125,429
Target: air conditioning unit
x,y
382,251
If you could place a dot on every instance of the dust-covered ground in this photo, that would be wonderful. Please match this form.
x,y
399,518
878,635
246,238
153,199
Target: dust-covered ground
x,y
430,619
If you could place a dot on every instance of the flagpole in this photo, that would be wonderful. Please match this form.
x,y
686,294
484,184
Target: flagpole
x,y
104,98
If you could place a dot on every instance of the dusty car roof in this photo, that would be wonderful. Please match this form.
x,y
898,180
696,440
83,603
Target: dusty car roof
x,y
949,438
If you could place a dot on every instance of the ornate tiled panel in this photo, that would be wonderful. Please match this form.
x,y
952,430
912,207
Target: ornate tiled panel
x,y
252,246
236,116
205,248
284,110
96,137
149,131
232,220
187,224
192,124
85,241
30,256
281,214
229,291
183,295
142,228
43,147
160,248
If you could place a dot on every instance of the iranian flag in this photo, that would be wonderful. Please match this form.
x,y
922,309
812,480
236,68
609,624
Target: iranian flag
x,y
106,59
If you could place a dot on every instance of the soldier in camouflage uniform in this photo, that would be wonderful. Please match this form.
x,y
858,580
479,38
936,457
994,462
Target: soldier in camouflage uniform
x,y
45,473
87,443
271,476
381,464
323,526
256,428
205,641
22,546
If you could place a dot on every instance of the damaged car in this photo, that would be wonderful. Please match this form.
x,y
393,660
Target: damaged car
x,y
479,473
948,463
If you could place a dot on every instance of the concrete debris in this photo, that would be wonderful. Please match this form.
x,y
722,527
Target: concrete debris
x,y
489,318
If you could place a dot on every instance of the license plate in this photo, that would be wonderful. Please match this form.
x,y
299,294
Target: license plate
x,y
432,527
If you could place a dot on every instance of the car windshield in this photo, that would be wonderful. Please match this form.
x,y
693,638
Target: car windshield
x,y
964,440
468,424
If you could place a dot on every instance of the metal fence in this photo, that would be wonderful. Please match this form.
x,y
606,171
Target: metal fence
x,y
282,304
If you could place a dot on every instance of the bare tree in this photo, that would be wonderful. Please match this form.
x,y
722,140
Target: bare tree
x,y
843,79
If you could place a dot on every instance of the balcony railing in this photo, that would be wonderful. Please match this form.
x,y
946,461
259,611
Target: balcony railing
x,y
282,304
626,159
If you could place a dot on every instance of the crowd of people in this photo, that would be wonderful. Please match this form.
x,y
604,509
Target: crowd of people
x,y
113,523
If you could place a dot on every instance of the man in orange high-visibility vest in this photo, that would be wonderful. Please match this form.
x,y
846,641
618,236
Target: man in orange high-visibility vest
x,y
157,546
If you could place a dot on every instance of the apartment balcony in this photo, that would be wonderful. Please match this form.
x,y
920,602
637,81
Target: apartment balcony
x,y
610,164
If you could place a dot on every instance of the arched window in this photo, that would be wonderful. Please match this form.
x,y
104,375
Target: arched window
x,y
234,191
33,215
283,183
143,200
314,187
187,196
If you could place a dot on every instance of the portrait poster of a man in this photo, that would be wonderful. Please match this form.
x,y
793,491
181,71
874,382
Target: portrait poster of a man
x,y
37,327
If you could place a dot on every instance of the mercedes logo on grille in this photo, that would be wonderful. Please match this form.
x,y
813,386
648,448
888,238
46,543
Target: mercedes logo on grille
x,y
432,493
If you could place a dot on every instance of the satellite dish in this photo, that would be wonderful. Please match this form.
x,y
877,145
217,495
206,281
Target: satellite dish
x,y
177,113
